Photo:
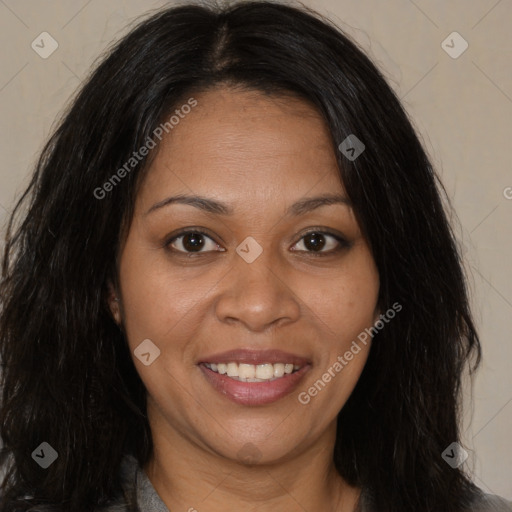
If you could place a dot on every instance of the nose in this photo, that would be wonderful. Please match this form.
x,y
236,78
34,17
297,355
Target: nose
x,y
257,295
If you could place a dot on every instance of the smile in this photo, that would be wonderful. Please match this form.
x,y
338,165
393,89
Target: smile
x,y
254,377
243,372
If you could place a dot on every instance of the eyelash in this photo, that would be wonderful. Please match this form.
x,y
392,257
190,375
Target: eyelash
x,y
343,244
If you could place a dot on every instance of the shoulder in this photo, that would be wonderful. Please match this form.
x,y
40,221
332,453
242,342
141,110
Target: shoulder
x,y
482,502
491,503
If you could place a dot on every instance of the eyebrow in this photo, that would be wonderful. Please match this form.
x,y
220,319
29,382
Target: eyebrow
x,y
217,208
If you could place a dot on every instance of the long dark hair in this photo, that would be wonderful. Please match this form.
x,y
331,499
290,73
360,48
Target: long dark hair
x,y
67,374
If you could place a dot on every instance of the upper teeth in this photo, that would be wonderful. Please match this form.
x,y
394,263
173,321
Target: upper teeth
x,y
251,372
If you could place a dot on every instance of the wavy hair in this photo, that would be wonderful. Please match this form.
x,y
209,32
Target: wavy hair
x,y
67,374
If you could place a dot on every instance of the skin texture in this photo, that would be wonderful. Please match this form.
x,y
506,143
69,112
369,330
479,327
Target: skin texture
x,y
258,154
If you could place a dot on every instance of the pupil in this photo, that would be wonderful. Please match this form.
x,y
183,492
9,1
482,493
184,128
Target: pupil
x,y
193,241
311,241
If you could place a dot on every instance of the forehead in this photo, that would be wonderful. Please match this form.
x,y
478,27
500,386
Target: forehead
x,y
245,141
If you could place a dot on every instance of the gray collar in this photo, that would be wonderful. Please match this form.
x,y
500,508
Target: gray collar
x,y
147,497
138,486
139,493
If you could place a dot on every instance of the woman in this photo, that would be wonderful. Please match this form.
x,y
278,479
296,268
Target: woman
x,y
235,286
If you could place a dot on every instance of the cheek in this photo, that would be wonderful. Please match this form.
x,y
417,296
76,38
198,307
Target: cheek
x,y
156,293
346,302
160,306
343,309
153,299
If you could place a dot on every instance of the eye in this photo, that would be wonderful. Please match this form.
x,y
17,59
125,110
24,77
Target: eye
x,y
314,242
191,241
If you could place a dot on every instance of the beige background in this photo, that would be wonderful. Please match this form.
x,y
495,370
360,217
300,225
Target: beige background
x,y
461,106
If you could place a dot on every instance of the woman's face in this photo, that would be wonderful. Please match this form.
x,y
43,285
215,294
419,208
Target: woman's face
x,y
253,285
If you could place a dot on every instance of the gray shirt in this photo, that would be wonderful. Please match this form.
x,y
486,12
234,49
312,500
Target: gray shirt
x,y
139,489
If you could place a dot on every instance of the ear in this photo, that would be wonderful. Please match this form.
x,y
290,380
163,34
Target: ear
x,y
113,301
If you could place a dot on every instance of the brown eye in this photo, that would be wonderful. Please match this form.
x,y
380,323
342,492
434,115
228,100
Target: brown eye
x,y
192,242
316,241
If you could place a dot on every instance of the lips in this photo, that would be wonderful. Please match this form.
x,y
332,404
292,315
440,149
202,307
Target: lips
x,y
254,393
